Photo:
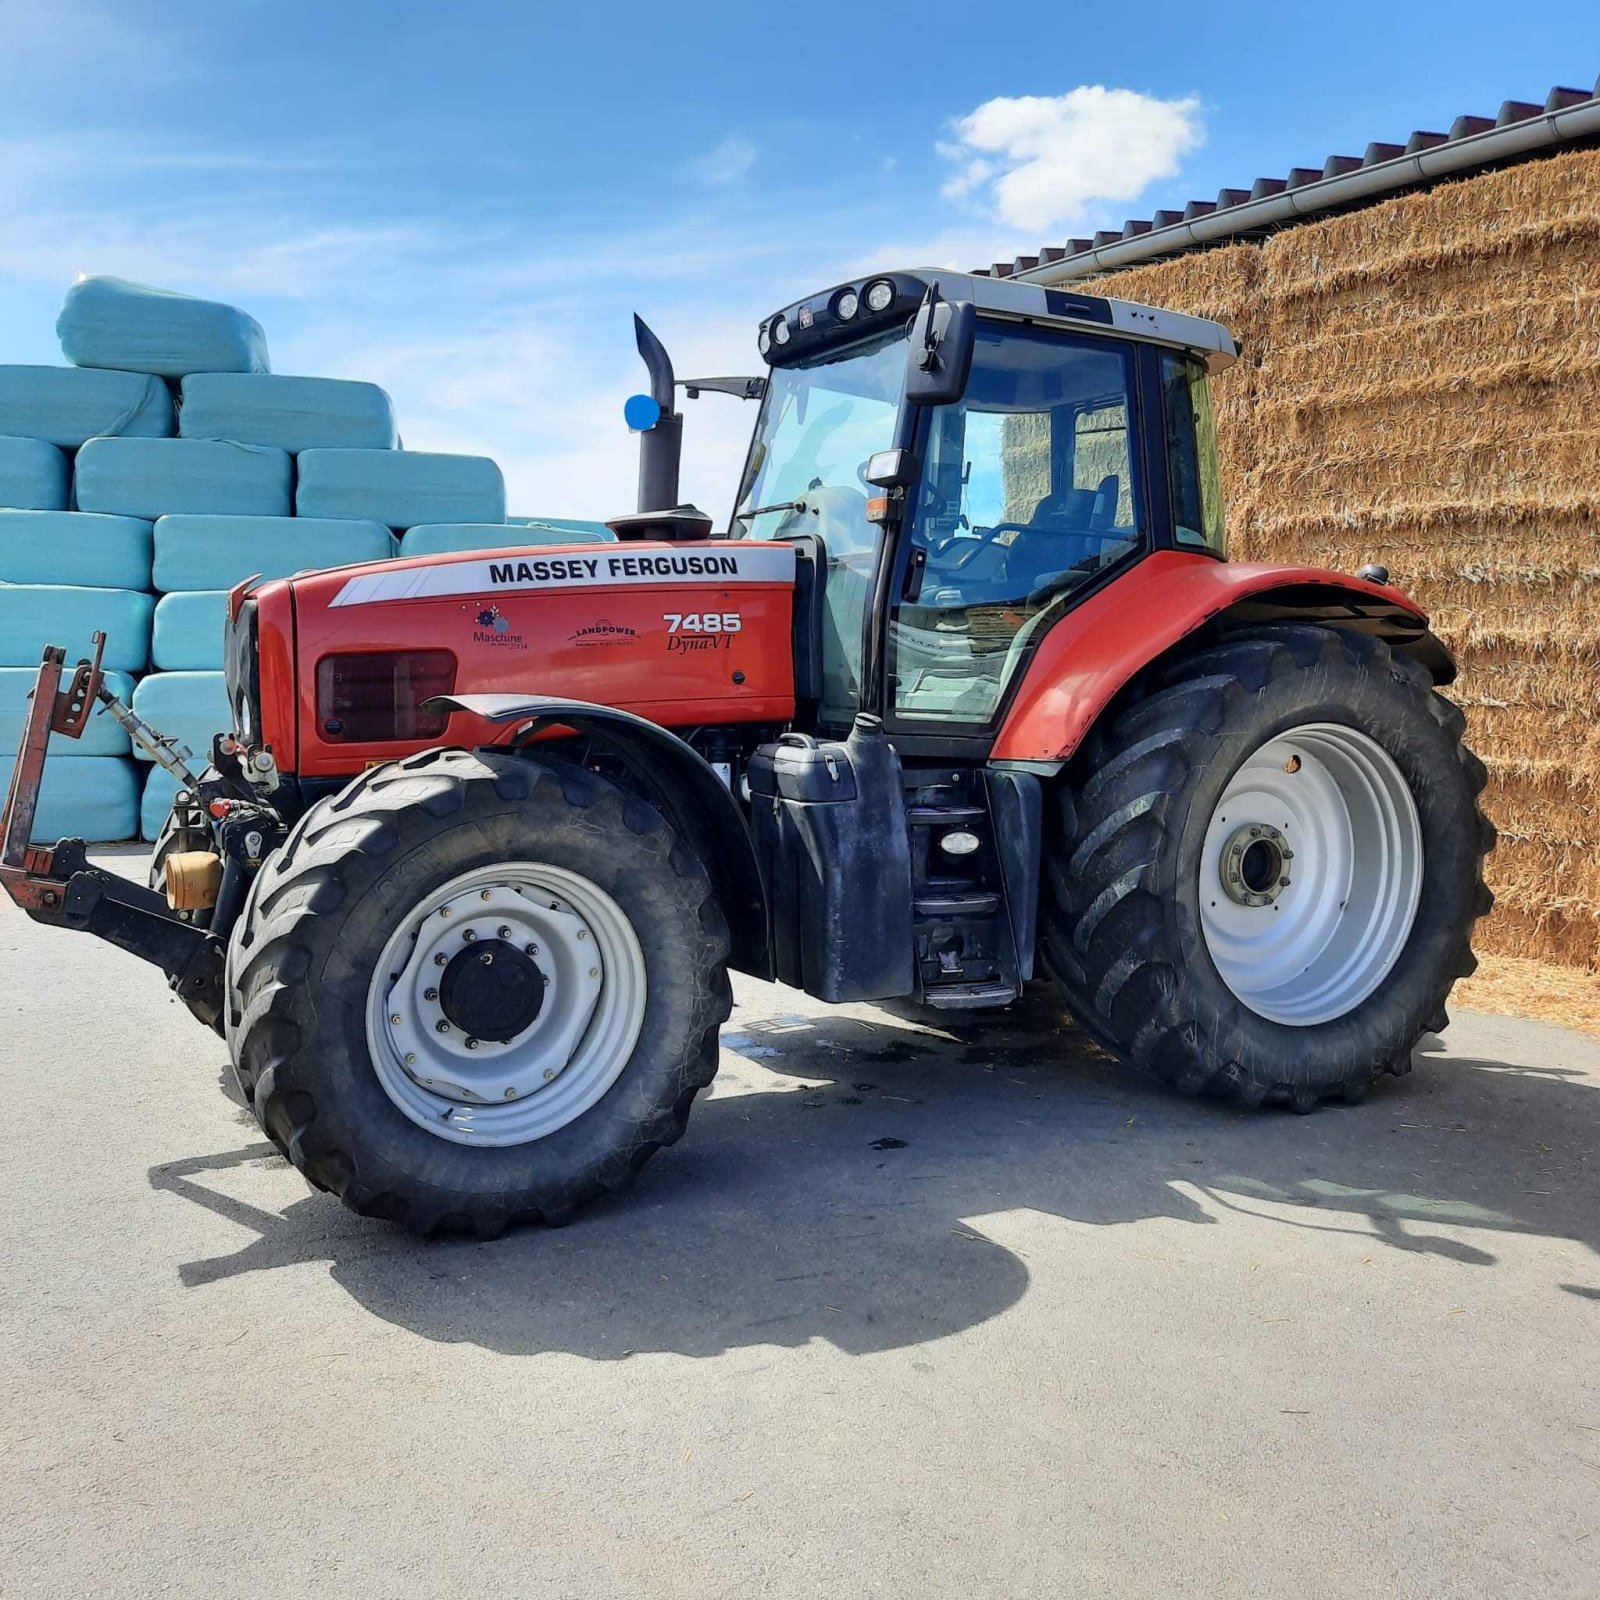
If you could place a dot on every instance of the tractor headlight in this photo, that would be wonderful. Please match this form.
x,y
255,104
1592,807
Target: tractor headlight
x,y
780,331
763,340
880,295
847,305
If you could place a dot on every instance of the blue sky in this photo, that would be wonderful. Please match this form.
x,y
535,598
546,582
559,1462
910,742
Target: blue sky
x,y
465,202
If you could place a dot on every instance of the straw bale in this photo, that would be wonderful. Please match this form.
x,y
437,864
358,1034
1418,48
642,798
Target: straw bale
x,y
1531,207
1484,346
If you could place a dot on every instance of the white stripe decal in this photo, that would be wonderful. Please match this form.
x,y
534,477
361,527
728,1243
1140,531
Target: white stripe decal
x,y
612,567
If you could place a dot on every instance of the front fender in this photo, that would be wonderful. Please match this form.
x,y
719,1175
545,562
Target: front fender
x,y
680,784
1096,649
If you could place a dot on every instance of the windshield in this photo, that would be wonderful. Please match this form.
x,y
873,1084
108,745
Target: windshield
x,y
819,426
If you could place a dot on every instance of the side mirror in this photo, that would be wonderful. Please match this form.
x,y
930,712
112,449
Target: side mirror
x,y
939,358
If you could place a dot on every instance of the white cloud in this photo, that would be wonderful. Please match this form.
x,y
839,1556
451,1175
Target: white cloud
x,y
732,161
1037,161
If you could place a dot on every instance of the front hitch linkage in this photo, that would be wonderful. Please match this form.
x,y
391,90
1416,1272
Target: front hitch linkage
x,y
57,884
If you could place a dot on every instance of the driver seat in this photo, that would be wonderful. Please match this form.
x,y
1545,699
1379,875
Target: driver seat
x,y
1063,532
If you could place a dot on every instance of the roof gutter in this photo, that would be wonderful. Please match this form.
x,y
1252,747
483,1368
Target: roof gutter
x,y
1542,132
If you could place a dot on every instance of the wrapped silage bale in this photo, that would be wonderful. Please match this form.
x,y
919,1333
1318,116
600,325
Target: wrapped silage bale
x,y
187,633
218,552
155,804
102,736
34,475
294,414
400,488
187,706
577,531
33,615
66,405
82,548
153,477
432,538
93,798
109,322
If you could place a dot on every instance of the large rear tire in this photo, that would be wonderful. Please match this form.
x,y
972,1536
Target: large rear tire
x,y
396,1066
1266,867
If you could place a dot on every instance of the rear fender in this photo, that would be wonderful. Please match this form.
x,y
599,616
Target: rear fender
x,y
680,784
1095,650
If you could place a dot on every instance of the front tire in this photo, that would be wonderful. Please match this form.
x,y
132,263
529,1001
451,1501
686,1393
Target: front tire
x,y
1266,868
384,1060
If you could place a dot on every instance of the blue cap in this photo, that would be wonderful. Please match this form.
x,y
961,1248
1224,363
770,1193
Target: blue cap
x,y
640,412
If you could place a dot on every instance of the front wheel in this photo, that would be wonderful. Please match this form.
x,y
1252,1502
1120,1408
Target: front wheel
x,y
475,989
1266,869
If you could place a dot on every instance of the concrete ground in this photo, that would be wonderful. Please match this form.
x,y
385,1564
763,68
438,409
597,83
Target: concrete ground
x,y
904,1314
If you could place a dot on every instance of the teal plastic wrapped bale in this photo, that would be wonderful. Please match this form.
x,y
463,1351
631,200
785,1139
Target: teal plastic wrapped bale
x,y
187,634
82,548
34,476
33,615
218,552
401,488
155,805
93,798
571,530
187,706
434,537
200,477
294,414
102,735
66,405
109,322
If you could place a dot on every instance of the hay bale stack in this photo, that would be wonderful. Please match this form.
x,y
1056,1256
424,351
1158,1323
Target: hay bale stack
x,y
1421,386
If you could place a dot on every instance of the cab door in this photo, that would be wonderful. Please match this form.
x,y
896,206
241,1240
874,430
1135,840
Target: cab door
x,y
1031,494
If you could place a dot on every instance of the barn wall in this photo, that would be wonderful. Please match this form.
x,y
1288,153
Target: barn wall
x,y
1421,386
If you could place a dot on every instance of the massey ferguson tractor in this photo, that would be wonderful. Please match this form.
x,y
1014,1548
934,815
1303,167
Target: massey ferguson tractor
x,y
966,693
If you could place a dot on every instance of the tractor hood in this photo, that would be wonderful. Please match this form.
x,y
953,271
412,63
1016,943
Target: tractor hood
x,y
680,634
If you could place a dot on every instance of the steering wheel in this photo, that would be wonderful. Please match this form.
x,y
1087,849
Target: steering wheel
x,y
978,539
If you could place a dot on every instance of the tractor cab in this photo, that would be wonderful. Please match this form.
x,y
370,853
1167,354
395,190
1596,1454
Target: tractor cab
x,y
965,461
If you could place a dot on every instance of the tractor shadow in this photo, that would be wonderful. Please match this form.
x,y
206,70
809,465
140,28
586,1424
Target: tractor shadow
x,y
822,1192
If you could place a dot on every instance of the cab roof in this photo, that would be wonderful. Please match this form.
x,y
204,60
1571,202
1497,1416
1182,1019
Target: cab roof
x,y
816,323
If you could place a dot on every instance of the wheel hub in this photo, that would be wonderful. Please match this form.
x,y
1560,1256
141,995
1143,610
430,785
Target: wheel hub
x,y
1254,864
491,990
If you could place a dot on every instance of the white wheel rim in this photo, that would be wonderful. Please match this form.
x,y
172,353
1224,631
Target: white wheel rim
x,y
487,1092
1307,925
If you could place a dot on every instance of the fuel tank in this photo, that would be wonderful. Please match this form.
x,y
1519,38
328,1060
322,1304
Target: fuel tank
x,y
681,634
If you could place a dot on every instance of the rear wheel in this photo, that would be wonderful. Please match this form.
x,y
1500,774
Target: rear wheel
x,y
1266,868
473,989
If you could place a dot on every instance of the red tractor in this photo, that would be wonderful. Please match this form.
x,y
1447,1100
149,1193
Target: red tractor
x,y
968,690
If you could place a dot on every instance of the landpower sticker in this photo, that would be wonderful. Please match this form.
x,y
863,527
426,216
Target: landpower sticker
x,y
607,569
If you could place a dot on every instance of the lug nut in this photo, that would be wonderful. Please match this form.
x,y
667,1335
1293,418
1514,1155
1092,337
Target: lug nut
x,y
594,972
441,1026
395,1019
549,1073
533,949
441,959
502,933
444,911
468,936
472,1044
511,1094
486,895
430,994
583,933
411,1060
